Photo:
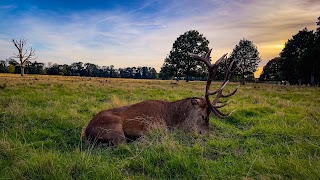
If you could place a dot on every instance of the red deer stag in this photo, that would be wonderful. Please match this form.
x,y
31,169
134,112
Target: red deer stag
x,y
117,125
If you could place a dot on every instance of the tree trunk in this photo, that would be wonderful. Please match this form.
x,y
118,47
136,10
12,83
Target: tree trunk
x,y
242,80
22,70
177,77
312,80
187,76
312,83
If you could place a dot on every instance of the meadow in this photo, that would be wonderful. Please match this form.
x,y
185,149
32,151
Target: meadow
x,y
273,134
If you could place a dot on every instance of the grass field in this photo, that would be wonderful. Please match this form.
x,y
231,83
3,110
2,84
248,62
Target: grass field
x,y
274,133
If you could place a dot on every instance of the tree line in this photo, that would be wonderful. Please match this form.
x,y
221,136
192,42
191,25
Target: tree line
x,y
299,61
78,69
75,69
177,64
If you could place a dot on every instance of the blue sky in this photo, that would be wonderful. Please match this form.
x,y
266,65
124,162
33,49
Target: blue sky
x,y
141,33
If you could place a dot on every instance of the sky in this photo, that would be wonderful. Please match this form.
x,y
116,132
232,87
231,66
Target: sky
x,y
142,32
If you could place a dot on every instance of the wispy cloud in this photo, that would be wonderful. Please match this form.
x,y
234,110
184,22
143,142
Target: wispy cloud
x,y
145,5
144,35
6,7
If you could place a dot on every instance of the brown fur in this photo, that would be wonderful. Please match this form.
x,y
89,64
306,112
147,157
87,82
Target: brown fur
x,y
116,125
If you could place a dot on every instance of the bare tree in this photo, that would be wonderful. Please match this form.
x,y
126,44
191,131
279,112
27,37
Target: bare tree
x,y
23,56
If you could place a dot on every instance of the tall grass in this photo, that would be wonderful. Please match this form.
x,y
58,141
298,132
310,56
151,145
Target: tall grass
x,y
274,133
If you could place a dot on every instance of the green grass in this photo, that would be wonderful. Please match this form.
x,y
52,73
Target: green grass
x,y
274,133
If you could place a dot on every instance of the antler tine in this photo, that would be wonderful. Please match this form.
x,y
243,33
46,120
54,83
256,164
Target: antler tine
x,y
220,59
230,66
238,66
208,55
222,105
206,60
224,85
220,89
219,114
228,95
214,92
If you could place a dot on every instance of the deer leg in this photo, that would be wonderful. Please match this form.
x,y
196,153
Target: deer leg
x,y
115,134
118,136
109,133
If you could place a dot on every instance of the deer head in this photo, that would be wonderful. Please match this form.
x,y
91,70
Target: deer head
x,y
212,69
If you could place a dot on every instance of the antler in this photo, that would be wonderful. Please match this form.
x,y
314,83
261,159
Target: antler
x,y
212,68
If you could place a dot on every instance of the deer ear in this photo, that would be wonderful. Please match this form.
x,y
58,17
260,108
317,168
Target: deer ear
x,y
195,101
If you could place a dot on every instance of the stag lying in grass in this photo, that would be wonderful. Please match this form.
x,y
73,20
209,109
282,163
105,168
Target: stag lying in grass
x,y
117,125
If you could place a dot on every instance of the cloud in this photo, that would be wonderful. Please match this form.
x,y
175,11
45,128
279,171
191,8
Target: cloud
x,y
147,4
144,35
7,7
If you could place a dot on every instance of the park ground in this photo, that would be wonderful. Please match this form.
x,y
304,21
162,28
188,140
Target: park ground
x,y
273,134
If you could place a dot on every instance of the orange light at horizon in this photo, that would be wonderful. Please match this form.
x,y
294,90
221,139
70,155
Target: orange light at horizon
x,y
258,72
277,46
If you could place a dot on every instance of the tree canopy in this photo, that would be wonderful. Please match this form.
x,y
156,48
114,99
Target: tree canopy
x,y
271,71
246,56
292,55
178,62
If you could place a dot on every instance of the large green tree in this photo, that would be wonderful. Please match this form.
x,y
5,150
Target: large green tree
x,y
271,71
91,69
296,57
77,69
165,72
311,59
246,56
178,62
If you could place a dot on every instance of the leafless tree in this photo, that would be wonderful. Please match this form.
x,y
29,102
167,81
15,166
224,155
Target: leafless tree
x,y
23,56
